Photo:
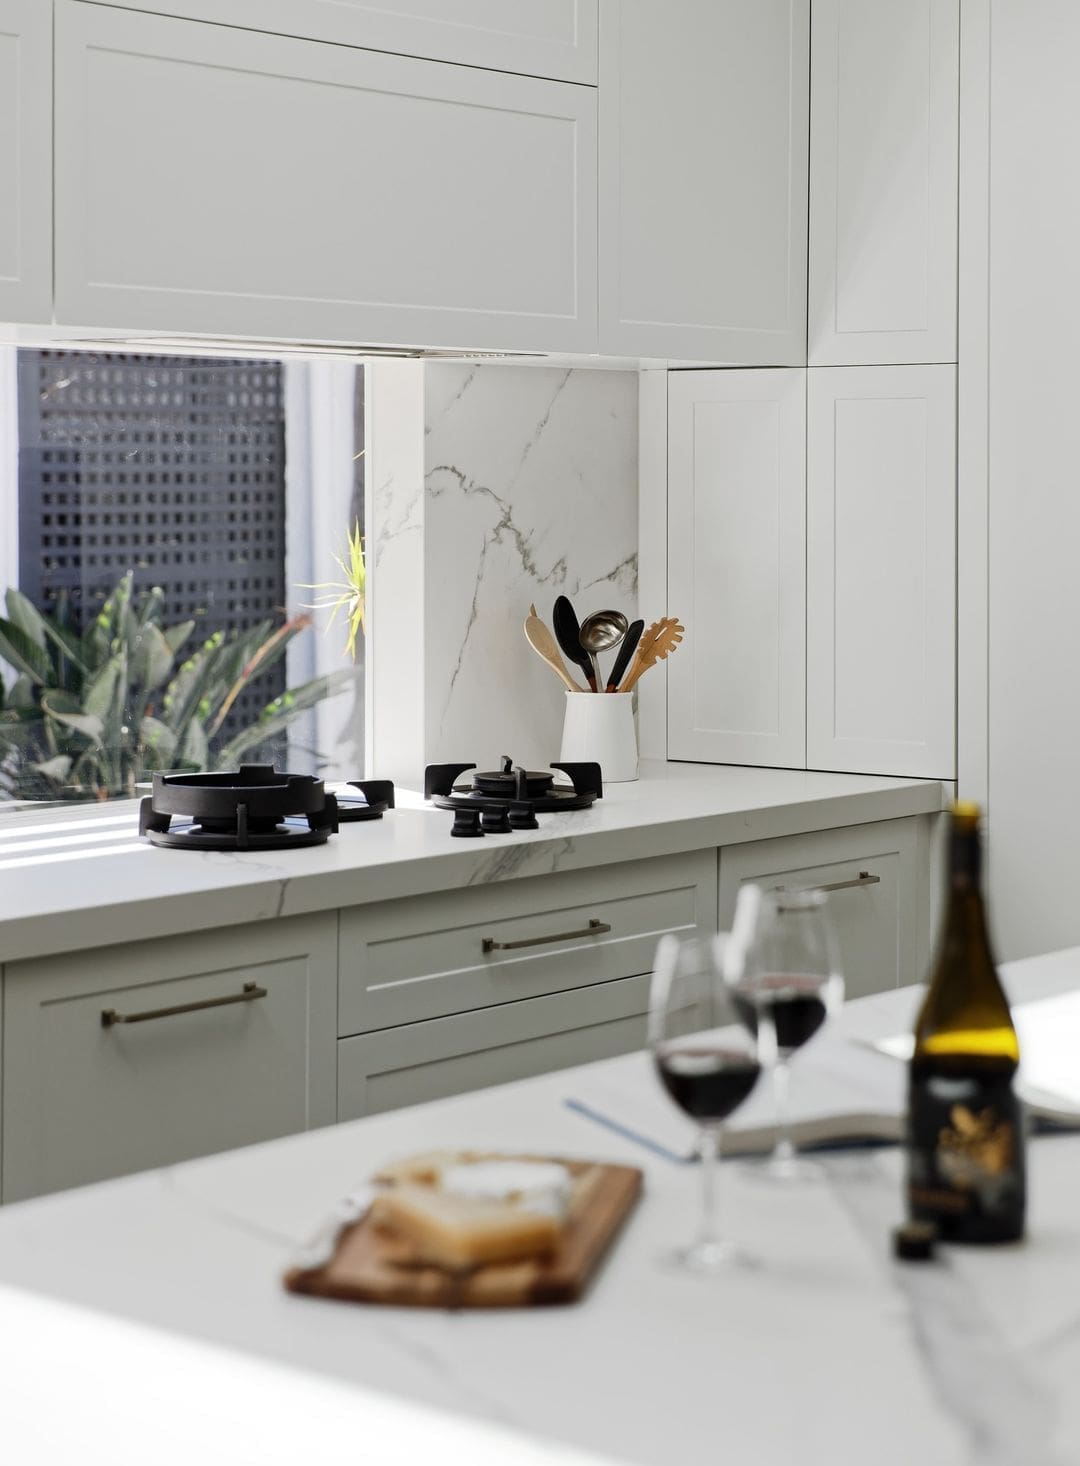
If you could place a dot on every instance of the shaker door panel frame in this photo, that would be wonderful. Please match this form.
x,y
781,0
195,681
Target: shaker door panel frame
x,y
881,570
736,545
547,38
252,199
704,111
884,167
26,161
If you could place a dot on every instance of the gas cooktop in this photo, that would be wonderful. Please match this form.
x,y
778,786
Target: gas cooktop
x,y
254,808
509,798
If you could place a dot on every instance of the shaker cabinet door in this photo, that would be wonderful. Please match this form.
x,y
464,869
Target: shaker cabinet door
x,y
153,1052
881,570
736,566
703,179
211,179
884,99
25,161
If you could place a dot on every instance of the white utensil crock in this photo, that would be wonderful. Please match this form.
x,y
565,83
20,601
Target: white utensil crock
x,y
599,728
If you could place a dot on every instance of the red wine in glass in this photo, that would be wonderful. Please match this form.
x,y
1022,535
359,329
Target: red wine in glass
x,y
795,1006
708,1084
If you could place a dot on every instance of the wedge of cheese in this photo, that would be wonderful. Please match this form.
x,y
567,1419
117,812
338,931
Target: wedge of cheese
x,y
462,1232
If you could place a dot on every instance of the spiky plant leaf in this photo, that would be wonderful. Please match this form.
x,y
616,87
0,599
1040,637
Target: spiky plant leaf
x,y
23,653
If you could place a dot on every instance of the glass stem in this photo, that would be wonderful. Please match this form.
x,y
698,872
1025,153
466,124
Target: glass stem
x,y
709,1150
784,1149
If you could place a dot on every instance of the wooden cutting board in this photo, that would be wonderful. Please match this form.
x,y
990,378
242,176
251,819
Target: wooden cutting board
x,y
368,1266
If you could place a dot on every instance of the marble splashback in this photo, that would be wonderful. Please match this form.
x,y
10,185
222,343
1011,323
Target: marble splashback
x,y
530,491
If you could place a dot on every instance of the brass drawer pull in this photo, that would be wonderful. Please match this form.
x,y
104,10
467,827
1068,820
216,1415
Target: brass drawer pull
x,y
864,878
251,991
594,929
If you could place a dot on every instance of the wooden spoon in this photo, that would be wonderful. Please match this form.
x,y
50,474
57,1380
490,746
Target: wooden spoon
x,y
546,648
657,642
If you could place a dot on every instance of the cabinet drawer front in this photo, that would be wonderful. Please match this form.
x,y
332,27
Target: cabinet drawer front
x,y
555,38
420,958
876,910
86,1099
288,188
429,1061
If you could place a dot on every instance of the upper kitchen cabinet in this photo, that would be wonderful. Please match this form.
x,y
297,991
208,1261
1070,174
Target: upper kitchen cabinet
x,y
555,38
736,565
703,179
211,179
881,570
25,160
883,181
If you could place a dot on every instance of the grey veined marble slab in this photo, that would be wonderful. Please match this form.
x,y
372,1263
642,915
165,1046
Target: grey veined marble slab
x,y
827,1353
73,878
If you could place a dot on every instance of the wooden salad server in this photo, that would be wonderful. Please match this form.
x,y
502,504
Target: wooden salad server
x,y
546,648
657,642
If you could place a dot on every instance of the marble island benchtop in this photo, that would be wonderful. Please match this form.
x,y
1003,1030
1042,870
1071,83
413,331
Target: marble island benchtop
x,y
72,878
156,1302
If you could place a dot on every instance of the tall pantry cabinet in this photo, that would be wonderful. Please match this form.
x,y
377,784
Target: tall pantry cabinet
x,y
811,514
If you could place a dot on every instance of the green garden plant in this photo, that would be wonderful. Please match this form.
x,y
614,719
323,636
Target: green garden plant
x,y
89,715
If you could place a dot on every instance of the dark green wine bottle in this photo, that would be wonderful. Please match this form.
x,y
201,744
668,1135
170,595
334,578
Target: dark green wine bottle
x,y
965,1140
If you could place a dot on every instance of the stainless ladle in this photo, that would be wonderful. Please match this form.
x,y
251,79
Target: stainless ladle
x,y
601,632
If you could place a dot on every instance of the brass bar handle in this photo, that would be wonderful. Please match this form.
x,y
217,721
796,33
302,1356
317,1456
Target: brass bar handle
x,y
595,928
864,878
250,993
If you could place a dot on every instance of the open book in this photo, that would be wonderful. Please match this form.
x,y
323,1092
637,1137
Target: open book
x,y
845,1089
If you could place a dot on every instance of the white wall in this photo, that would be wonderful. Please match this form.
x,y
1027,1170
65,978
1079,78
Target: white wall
x,y
527,489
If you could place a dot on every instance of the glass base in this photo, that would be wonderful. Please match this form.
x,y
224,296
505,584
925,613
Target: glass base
x,y
707,1258
787,1170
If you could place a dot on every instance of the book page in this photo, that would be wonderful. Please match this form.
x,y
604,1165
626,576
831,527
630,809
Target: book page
x,y
1049,1034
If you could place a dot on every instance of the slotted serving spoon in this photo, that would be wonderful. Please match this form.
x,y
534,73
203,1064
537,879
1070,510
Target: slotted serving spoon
x,y
544,645
657,642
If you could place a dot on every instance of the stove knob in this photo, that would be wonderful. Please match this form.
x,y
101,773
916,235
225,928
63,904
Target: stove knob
x,y
495,821
467,824
523,817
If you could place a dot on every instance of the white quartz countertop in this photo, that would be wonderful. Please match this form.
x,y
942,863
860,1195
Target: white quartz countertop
x,y
72,878
828,1351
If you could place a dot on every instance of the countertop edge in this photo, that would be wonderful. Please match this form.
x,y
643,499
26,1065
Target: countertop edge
x,y
260,891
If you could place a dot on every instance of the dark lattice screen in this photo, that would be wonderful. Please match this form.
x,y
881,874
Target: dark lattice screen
x,y
173,467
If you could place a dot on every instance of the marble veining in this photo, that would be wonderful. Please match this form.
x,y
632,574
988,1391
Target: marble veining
x,y
515,860
828,1353
979,1376
530,492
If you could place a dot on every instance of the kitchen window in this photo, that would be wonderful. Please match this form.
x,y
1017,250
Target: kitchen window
x,y
168,527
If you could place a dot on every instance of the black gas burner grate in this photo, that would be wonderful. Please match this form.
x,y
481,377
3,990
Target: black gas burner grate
x,y
511,797
253,808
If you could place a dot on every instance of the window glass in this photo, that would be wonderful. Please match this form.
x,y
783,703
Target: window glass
x,y
167,569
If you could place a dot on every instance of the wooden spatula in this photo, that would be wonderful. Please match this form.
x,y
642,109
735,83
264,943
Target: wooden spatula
x,y
657,642
544,645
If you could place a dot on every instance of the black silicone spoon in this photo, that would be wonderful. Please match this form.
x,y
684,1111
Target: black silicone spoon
x,y
567,633
626,651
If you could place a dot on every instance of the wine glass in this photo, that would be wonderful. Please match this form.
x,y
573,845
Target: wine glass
x,y
786,981
707,1061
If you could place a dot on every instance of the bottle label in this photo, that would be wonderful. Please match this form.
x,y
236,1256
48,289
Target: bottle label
x,y
966,1154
